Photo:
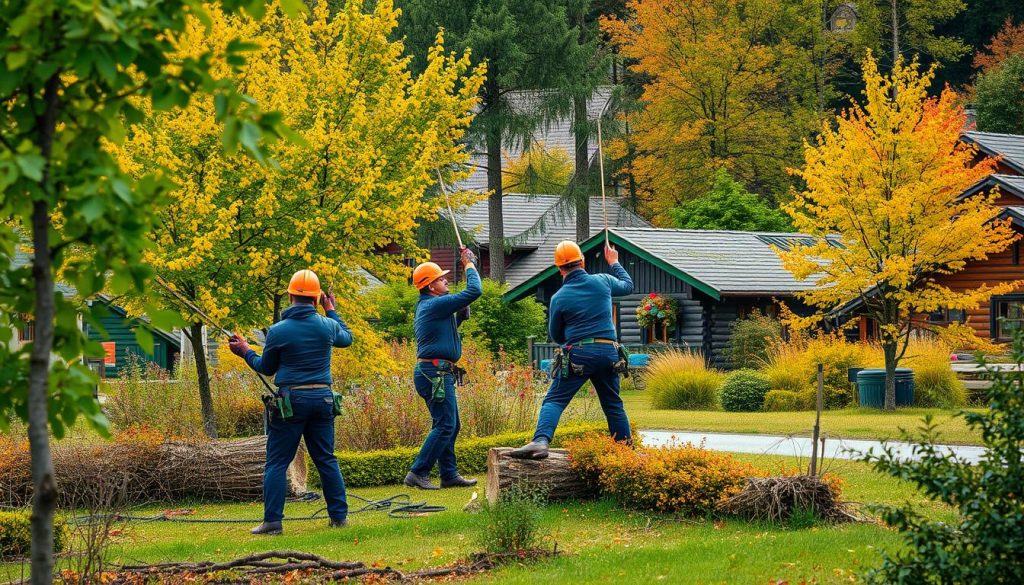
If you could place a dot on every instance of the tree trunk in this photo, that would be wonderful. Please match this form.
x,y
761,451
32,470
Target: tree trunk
x,y
277,308
495,218
889,351
43,481
203,373
895,31
581,187
552,474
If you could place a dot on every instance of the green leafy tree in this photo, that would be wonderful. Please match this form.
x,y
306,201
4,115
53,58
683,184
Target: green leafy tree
x,y
984,543
524,44
505,326
69,73
728,206
905,28
395,305
1000,97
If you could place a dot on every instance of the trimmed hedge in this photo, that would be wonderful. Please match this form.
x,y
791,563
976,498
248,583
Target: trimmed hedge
x,y
388,467
16,534
744,391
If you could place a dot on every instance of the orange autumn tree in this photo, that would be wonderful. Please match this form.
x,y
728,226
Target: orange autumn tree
x,y
1007,42
883,184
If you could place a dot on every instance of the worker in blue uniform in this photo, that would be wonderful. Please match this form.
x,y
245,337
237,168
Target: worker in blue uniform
x,y
297,353
580,321
438,350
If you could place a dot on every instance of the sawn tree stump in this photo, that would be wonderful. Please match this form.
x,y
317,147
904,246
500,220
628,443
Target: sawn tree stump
x,y
552,474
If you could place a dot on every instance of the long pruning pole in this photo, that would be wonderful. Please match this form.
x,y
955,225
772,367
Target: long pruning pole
x,y
448,203
600,166
206,318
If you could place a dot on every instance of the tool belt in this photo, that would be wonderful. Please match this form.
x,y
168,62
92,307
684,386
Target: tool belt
x,y
562,365
444,367
282,399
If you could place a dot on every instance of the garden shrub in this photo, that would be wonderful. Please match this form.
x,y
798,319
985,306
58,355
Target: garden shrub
x,y
16,536
147,395
744,391
512,523
983,542
681,380
388,467
793,365
782,401
751,339
935,382
679,479
395,305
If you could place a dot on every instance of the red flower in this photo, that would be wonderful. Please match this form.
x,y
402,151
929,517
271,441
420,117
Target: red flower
x,y
647,307
653,295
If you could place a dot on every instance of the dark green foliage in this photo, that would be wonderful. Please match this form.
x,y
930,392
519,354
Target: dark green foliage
x,y
751,337
744,391
388,467
500,325
14,535
512,523
396,308
728,206
985,543
1000,98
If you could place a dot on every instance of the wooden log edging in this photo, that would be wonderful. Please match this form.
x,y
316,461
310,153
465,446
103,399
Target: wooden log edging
x,y
553,475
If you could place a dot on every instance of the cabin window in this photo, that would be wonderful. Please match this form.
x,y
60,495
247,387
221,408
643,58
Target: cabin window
x,y
945,316
1007,316
27,332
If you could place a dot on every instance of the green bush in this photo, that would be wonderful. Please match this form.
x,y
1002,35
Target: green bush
x,y
388,467
751,339
505,326
681,380
983,540
512,523
782,401
16,537
395,304
832,397
744,391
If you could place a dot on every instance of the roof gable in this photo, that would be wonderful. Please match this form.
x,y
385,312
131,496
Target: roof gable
x,y
1008,146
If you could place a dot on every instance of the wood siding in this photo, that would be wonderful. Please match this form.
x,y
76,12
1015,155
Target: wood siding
x,y
998,268
119,330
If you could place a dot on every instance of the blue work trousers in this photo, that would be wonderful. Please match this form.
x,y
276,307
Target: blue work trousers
x,y
593,362
313,419
439,446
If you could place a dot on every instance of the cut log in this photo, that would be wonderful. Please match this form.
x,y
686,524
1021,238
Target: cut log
x,y
552,475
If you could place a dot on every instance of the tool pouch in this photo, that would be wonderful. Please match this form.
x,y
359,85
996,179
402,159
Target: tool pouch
x,y
621,366
337,402
437,385
460,375
555,367
283,401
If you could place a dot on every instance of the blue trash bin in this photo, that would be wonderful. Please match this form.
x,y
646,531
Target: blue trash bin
x,y
871,387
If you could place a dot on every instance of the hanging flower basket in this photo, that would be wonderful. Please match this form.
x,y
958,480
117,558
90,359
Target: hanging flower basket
x,y
656,310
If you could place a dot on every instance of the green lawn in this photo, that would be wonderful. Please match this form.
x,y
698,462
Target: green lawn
x,y
853,423
604,543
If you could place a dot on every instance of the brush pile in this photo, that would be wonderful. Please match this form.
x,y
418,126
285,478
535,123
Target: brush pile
x,y
775,499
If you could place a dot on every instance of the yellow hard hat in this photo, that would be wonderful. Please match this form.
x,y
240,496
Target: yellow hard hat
x,y
427,273
304,283
567,252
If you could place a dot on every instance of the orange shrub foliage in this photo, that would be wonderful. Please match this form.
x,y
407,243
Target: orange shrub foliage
x,y
679,479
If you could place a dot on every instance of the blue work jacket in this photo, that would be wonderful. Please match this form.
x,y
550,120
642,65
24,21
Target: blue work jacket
x,y
582,308
298,347
438,319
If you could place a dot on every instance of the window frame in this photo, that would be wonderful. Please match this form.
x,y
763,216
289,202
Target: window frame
x,y
996,323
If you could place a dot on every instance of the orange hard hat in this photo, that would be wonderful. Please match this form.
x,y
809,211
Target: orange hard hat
x,y
567,252
304,283
427,273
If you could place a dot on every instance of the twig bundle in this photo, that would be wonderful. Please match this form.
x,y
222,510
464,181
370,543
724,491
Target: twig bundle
x,y
774,499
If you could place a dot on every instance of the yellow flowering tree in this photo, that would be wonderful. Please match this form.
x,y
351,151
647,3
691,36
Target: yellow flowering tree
x,y
882,195
368,138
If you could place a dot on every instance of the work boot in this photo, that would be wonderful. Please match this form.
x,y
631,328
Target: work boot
x,y
418,481
535,449
337,523
457,481
268,528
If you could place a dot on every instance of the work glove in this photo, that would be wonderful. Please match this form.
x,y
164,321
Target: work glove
x,y
467,256
238,346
